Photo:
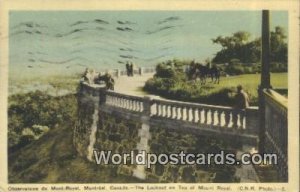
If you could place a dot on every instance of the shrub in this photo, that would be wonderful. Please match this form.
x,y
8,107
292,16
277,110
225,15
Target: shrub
x,y
278,67
235,69
234,61
164,71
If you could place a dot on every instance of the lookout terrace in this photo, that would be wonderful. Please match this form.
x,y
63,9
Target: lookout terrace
x,y
119,121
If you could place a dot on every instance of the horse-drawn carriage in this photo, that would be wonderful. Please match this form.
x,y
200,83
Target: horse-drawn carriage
x,y
198,70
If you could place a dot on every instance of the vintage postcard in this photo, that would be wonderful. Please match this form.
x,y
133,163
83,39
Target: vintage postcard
x,y
149,95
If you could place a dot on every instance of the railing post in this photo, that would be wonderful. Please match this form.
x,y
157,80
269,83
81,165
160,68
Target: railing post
x,y
219,114
227,118
199,115
235,115
147,105
252,123
212,116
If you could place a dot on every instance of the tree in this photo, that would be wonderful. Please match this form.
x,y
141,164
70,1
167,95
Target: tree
x,y
237,39
235,46
278,45
239,47
241,38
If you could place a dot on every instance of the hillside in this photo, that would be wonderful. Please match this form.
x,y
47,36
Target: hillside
x,y
50,156
53,159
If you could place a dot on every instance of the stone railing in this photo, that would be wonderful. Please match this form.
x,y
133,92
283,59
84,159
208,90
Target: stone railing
x,y
211,116
201,115
131,103
276,125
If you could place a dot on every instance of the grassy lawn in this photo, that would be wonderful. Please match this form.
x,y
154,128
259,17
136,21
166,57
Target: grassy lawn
x,y
50,84
216,94
250,83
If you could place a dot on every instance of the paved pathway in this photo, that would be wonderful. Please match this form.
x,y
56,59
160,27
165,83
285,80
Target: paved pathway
x,y
246,173
132,85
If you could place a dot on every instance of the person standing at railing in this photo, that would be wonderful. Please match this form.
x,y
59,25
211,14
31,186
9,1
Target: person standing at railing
x,y
241,103
88,76
127,69
84,76
110,82
131,69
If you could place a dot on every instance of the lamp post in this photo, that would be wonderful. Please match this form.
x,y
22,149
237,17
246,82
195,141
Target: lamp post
x,y
265,76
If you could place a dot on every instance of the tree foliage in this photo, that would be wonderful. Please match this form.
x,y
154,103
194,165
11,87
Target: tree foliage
x,y
239,46
278,45
30,115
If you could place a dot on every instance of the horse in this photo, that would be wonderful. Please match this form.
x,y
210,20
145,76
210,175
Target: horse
x,y
215,74
198,70
204,71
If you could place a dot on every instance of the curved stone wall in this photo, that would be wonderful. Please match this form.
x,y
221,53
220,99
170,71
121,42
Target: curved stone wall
x,y
122,123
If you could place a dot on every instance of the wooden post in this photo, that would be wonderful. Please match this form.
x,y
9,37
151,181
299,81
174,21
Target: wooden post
x,y
265,76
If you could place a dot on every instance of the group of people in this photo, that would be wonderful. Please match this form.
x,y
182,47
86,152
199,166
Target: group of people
x,y
91,77
129,69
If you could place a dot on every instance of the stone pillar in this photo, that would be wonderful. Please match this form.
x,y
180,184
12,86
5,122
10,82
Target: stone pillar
x,y
102,96
147,105
252,123
145,136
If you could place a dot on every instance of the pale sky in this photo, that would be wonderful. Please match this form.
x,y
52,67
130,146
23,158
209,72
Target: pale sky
x,y
50,40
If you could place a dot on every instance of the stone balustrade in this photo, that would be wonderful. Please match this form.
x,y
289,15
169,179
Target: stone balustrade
x,y
136,71
131,103
201,115
212,116
276,125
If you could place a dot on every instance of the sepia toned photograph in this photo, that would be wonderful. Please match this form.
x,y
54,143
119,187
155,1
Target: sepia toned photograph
x,y
150,97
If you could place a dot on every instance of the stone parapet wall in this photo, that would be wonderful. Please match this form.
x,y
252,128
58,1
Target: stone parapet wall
x,y
126,122
167,141
276,125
